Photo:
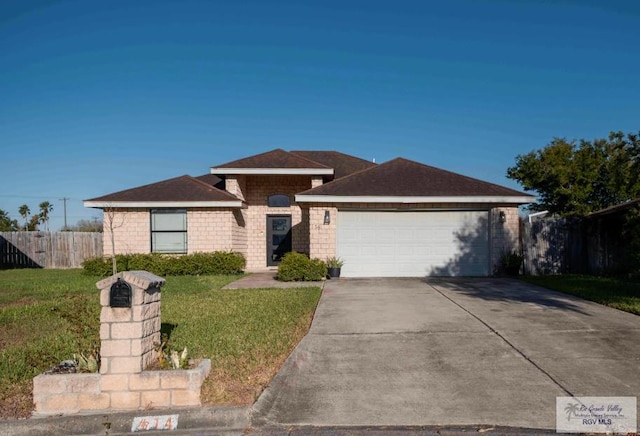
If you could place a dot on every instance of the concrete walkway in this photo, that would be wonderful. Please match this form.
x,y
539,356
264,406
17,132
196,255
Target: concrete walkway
x,y
267,279
448,352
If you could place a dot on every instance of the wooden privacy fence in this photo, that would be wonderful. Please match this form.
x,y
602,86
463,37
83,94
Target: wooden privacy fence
x,y
591,245
553,246
543,246
48,249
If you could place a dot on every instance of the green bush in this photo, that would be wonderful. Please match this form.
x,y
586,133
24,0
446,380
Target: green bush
x,y
219,262
97,266
298,267
510,263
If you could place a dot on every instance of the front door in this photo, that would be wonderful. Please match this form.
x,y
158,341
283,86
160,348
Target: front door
x,y
278,238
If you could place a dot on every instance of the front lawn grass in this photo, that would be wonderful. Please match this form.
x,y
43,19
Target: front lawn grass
x,y
622,294
48,315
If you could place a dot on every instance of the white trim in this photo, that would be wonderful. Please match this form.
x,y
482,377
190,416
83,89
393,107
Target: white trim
x,y
274,171
398,199
536,214
416,209
161,204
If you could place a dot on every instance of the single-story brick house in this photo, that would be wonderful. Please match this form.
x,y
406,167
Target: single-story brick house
x,y
398,218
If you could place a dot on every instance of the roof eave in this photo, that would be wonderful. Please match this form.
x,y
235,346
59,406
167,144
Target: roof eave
x,y
160,204
614,209
273,171
413,199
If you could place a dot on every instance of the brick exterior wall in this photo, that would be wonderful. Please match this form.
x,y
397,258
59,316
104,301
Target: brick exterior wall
x,y
316,181
505,237
131,231
239,232
322,243
208,229
238,186
256,191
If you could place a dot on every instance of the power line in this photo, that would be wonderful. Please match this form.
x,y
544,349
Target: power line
x,y
39,197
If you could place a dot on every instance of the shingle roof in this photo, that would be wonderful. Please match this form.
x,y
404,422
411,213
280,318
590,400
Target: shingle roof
x,y
273,159
615,208
179,189
212,180
342,164
405,178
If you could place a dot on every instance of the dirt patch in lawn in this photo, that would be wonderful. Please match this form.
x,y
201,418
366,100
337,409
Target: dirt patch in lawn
x,y
16,400
19,302
240,382
14,333
223,387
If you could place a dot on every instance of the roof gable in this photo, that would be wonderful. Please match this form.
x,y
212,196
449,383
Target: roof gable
x,y
211,179
275,161
405,178
342,164
179,191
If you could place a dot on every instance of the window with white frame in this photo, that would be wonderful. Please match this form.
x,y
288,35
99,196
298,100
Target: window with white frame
x,y
169,231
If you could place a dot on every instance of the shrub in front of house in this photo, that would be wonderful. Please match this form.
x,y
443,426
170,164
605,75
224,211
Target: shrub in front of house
x,y
215,263
220,262
510,263
102,266
297,267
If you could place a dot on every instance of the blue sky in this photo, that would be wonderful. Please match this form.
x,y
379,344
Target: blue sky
x,y
100,96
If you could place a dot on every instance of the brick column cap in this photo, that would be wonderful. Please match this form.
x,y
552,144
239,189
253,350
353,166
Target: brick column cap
x,y
142,279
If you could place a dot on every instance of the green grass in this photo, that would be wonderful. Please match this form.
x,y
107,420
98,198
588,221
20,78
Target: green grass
x,y
622,294
48,315
44,284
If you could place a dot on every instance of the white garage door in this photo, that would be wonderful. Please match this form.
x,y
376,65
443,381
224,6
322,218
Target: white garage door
x,y
413,244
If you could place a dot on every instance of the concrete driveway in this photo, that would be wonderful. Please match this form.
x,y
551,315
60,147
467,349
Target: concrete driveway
x,y
390,352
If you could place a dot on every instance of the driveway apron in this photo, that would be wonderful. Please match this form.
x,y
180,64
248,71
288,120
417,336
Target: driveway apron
x,y
389,352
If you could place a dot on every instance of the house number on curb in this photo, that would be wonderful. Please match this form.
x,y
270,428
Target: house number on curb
x,y
120,294
148,423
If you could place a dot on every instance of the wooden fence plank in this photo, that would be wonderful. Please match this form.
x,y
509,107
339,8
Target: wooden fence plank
x,y
544,245
48,249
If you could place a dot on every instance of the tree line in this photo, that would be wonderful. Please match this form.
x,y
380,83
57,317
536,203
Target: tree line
x,y
575,178
31,222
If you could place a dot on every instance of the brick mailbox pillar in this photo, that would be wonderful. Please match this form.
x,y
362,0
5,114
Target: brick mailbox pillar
x,y
129,327
129,321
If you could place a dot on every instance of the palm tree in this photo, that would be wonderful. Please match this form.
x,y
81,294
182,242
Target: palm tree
x,y
571,409
24,212
45,209
34,222
6,223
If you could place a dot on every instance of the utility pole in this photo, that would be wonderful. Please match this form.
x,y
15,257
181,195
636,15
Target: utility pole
x,y
64,202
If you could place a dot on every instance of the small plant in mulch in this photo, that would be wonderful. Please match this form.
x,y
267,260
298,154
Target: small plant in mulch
x,y
79,364
89,363
169,358
510,263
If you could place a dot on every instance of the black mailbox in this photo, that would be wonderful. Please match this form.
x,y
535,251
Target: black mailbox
x,y
120,294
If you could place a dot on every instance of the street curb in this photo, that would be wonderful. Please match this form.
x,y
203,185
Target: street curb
x,y
399,430
225,419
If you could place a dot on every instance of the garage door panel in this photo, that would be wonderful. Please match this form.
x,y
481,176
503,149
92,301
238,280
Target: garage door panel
x,y
410,244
